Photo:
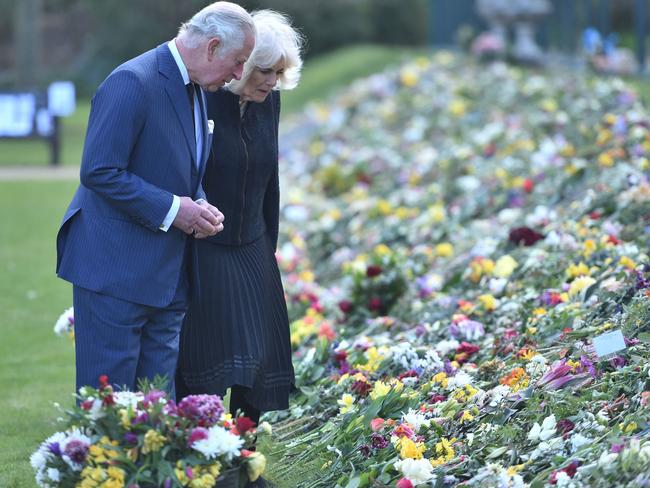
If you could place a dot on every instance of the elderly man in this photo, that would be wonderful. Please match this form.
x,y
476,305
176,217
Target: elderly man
x,y
126,239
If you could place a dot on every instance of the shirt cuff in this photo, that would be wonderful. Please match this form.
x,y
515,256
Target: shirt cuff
x,y
171,215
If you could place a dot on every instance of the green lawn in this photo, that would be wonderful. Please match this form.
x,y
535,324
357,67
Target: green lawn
x,y
37,367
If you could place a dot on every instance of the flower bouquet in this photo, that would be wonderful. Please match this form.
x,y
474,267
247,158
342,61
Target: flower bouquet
x,y
143,439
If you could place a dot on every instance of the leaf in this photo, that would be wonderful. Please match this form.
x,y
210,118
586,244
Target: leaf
x,y
497,452
644,337
354,482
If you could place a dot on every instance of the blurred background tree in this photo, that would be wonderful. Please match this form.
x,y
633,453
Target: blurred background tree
x,y
83,40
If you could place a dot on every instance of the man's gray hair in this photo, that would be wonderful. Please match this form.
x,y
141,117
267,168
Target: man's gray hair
x,y
276,40
227,21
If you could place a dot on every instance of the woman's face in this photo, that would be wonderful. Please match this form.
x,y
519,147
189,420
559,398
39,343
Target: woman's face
x,y
260,82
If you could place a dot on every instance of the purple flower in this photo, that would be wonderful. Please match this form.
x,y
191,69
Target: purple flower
x,y
618,362
206,410
378,441
420,330
141,418
467,329
76,450
168,483
55,448
616,448
558,376
524,236
588,365
131,438
154,396
365,451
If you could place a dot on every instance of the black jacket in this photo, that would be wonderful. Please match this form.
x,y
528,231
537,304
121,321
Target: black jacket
x,y
241,178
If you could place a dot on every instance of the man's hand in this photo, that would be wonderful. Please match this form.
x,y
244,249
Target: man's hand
x,y
215,211
198,219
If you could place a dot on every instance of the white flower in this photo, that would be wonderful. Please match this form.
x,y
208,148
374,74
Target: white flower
x,y
415,419
65,323
54,474
416,470
607,461
578,440
497,285
498,393
127,398
219,442
543,432
459,380
443,347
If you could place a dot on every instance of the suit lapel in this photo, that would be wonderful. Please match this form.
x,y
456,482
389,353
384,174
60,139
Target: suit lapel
x,y
207,137
177,96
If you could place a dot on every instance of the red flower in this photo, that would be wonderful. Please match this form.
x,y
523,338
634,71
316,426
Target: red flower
x,y
524,236
375,303
467,348
345,306
341,355
612,239
373,270
528,185
361,388
103,381
244,424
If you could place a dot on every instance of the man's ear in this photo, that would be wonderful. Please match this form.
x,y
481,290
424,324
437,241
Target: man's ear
x,y
213,48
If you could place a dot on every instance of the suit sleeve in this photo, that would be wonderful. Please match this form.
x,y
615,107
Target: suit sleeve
x,y
117,116
272,195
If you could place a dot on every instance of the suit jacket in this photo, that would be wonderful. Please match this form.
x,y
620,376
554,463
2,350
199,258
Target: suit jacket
x,y
139,151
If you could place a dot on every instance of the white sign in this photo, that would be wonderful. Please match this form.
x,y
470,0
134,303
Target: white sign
x,y
61,98
609,343
17,114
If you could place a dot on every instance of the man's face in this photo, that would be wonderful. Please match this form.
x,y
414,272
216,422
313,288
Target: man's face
x,y
220,70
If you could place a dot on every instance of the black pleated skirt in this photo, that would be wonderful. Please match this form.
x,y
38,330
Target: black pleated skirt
x,y
237,331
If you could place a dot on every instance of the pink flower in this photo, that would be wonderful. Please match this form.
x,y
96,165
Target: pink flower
x,y
376,424
404,483
199,433
558,376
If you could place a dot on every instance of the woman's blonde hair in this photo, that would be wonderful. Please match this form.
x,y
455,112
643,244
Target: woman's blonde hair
x,y
276,39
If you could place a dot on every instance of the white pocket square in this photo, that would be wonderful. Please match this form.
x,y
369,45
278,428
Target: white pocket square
x,y
210,126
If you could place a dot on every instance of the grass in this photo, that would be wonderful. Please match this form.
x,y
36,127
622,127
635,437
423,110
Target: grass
x,y
36,367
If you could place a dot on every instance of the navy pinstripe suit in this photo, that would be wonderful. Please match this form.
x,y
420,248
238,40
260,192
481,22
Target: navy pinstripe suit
x,y
130,279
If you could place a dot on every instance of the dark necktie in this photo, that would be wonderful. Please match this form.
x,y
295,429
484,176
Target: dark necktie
x,y
190,95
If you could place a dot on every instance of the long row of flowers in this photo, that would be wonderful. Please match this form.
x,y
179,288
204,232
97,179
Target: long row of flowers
x,y
456,236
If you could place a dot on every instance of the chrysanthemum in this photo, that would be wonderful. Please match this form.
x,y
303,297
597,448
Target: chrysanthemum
x,y
219,442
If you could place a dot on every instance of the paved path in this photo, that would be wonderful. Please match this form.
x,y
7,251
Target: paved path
x,y
29,173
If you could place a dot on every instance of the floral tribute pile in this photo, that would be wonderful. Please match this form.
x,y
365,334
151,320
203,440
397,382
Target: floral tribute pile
x,y
455,236
119,439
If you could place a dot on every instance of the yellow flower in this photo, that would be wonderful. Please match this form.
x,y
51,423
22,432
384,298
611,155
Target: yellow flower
x,y
384,207
410,449
306,276
382,250
204,481
113,483
444,451
539,311
444,250
458,108
590,247
575,270
549,105
379,389
627,262
441,378
255,466
409,77
505,266
153,441
606,160
466,417
215,469
488,302
580,284
346,403
437,213
513,470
